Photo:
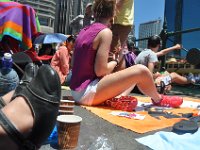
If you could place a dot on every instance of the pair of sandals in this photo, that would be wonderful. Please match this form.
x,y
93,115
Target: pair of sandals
x,y
125,103
42,92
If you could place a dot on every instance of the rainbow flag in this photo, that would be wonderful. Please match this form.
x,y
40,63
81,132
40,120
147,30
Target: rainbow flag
x,y
19,22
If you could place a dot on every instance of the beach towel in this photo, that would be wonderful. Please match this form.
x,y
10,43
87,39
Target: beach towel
x,y
140,126
171,141
19,22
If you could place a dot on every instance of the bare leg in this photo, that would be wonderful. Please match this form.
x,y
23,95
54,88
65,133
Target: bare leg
x,y
127,92
5,142
124,31
116,83
176,78
20,114
120,34
7,97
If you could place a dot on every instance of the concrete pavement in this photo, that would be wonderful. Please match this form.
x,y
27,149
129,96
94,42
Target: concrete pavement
x,y
96,133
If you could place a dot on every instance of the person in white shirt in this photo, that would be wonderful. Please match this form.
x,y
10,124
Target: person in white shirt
x,y
82,21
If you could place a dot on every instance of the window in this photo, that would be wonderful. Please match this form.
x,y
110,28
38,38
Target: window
x,y
44,21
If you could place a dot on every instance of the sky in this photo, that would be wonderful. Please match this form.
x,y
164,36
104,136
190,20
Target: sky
x,y
147,10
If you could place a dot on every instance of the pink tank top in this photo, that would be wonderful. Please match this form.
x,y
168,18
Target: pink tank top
x,y
84,57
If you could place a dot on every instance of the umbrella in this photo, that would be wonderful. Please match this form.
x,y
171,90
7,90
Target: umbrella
x,y
50,38
21,58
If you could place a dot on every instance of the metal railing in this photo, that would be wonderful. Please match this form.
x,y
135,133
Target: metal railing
x,y
165,36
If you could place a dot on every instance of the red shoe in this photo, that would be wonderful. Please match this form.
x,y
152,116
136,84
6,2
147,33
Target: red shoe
x,y
125,103
169,101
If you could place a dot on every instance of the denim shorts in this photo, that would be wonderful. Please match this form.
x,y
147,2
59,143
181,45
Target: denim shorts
x,y
86,96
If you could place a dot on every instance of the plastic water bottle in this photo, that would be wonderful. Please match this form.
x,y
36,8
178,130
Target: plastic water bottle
x,y
9,78
7,62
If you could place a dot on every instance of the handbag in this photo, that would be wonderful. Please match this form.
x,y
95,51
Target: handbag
x,y
130,59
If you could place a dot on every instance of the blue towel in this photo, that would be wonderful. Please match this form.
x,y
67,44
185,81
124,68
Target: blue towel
x,y
172,141
53,138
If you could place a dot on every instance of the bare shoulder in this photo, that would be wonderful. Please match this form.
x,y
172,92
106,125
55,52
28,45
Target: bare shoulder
x,y
105,33
104,36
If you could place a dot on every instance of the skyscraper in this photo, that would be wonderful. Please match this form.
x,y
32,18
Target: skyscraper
x,y
46,12
66,10
182,15
55,15
148,29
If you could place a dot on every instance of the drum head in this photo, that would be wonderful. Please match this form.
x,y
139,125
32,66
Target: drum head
x,y
193,56
185,126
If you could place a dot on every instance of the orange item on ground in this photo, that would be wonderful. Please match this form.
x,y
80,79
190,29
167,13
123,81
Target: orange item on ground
x,y
140,126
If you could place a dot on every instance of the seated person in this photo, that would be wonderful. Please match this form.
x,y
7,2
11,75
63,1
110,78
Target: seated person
x,y
149,57
46,51
61,59
93,81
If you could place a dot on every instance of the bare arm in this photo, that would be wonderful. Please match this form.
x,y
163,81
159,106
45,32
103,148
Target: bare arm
x,y
167,50
103,42
76,19
151,67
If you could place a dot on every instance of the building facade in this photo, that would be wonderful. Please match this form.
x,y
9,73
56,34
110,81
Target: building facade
x,y
55,15
66,10
46,10
148,29
182,15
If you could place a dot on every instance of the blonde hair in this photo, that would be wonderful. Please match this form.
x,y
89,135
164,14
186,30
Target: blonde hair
x,y
104,8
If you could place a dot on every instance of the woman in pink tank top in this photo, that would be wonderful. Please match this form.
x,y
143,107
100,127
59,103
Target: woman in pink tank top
x,y
93,79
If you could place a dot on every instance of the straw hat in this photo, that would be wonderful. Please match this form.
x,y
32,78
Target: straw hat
x,y
172,60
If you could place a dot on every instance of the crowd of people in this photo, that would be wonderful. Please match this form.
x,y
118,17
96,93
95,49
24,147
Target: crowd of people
x,y
94,78
98,64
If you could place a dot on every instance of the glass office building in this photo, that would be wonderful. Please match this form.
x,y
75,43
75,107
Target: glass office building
x,y
148,29
182,15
